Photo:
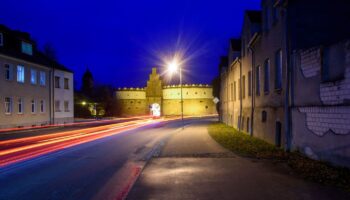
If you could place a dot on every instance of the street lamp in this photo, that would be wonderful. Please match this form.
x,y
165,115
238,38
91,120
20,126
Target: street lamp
x,y
173,66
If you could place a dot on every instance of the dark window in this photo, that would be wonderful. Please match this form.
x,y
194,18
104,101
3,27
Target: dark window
x,y
278,70
206,107
257,76
57,82
249,83
333,65
66,83
8,72
267,76
248,122
278,136
263,116
274,14
234,90
243,87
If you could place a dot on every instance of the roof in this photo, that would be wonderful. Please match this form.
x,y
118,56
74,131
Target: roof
x,y
12,47
255,16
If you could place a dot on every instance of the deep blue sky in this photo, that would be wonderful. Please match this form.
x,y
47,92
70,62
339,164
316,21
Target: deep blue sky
x,y
121,40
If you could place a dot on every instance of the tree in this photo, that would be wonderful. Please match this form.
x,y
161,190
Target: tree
x,y
216,90
87,84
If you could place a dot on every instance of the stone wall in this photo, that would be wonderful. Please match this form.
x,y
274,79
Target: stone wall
x,y
321,120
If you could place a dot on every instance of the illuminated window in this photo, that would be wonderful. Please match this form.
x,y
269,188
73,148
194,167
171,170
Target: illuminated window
x,y
20,105
20,74
33,76
42,78
8,72
27,48
42,106
8,105
33,106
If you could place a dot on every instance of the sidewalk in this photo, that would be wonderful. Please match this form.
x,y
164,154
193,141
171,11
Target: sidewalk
x,y
193,166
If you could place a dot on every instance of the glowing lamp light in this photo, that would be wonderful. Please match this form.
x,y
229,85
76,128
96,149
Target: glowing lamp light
x,y
83,103
173,66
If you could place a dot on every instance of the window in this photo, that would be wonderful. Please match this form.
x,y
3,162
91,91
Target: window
x,y
1,39
42,106
20,74
267,76
333,64
33,106
33,76
66,83
274,14
8,105
263,116
57,106
42,78
249,83
257,76
20,105
239,89
278,70
66,106
8,72
27,48
234,90
231,91
57,82
243,87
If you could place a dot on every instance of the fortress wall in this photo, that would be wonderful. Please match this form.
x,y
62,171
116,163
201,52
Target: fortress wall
x,y
188,92
191,107
132,107
130,94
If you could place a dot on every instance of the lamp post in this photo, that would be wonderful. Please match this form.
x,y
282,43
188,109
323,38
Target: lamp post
x,y
173,67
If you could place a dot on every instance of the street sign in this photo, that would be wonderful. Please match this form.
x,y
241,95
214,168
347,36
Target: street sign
x,y
216,100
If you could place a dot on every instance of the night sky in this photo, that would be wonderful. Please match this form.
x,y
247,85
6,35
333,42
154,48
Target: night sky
x,y
121,40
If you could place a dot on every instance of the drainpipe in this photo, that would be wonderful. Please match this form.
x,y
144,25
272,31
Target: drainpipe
x,y
253,90
50,97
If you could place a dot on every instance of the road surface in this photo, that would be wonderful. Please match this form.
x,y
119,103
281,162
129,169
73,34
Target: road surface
x,y
92,163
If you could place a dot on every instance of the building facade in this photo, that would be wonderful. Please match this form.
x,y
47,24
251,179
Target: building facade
x,y
197,99
26,82
289,85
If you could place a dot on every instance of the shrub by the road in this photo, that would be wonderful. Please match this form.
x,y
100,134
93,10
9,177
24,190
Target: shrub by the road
x,y
247,146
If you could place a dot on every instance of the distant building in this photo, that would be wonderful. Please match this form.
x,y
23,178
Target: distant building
x,y
198,99
26,82
289,84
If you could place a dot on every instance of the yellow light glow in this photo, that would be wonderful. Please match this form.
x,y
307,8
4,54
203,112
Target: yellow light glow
x,y
83,103
173,66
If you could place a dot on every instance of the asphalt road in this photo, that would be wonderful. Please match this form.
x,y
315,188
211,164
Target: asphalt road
x,y
104,168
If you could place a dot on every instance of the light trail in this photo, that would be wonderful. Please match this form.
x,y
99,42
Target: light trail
x,y
17,150
72,124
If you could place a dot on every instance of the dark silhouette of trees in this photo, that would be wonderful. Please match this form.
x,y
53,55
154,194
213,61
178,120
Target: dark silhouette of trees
x,y
87,84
